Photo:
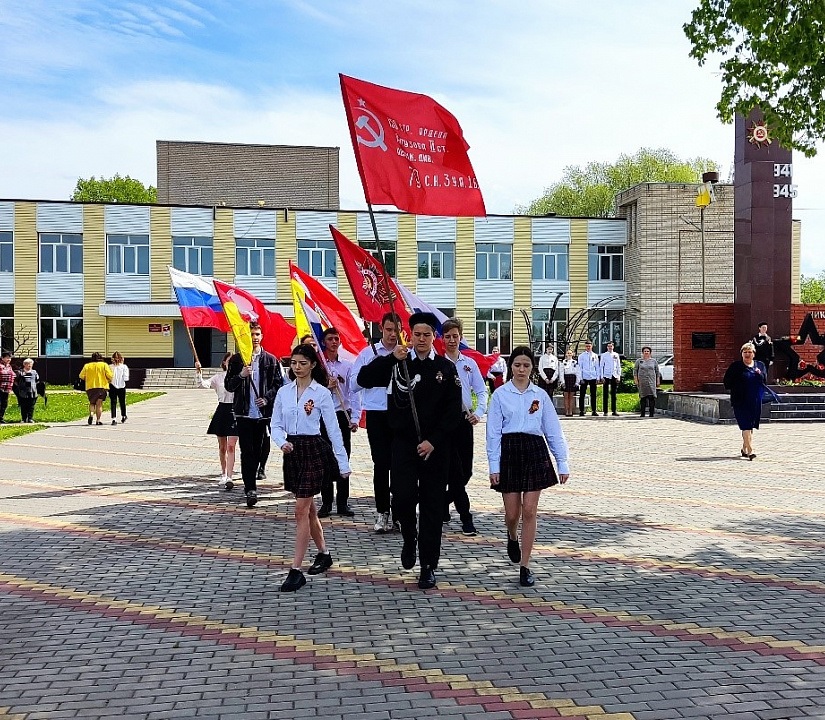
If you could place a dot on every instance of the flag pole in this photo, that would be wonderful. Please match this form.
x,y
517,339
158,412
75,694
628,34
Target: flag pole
x,y
191,342
404,369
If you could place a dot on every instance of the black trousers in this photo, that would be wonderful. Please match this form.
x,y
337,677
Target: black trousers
x,y
251,435
117,395
327,489
649,401
583,391
379,436
423,483
4,403
612,385
461,470
266,446
26,407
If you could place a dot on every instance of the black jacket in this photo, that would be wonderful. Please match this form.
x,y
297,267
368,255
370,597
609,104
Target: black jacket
x,y
734,381
271,380
437,395
764,349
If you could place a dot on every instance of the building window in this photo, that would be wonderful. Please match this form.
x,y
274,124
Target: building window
x,y
388,249
550,262
255,256
545,332
605,325
493,330
605,262
436,260
6,252
494,261
192,254
61,253
61,330
7,327
128,254
317,257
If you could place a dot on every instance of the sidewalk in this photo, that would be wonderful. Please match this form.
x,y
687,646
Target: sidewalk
x,y
674,580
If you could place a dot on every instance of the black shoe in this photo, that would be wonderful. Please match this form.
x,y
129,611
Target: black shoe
x,y
123,419
468,528
323,561
581,413
88,422
447,517
261,475
751,456
526,578
251,501
595,414
605,414
513,549
114,422
295,580
408,554
99,422
324,510
426,579
346,511
744,454
641,414
615,414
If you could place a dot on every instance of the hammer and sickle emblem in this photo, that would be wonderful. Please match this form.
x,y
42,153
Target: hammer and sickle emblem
x,y
375,137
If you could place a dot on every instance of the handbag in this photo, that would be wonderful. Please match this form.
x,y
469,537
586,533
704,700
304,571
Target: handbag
x,y
79,384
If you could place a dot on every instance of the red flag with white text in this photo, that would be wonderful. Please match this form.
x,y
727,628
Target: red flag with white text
x,y
371,285
410,151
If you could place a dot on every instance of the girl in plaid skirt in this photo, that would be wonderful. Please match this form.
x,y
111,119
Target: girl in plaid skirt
x,y
308,458
521,424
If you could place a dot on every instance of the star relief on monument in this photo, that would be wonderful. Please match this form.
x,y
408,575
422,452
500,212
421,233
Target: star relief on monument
x,y
798,367
758,134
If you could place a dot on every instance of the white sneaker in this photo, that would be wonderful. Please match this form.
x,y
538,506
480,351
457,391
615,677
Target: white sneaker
x,y
227,483
382,524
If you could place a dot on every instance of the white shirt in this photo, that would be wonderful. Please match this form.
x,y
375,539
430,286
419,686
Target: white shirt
x,y
499,366
371,398
571,367
549,362
510,412
342,370
121,375
610,365
254,411
293,415
216,383
589,366
471,382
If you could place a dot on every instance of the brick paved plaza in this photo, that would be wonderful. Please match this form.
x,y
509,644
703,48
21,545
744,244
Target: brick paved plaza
x,y
674,580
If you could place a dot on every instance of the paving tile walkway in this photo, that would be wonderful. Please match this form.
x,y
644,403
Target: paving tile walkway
x,y
675,580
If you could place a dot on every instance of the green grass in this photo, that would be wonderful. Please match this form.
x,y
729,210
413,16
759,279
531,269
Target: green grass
x,y
67,406
7,432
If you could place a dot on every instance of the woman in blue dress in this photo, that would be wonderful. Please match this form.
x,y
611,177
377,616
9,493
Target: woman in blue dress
x,y
746,380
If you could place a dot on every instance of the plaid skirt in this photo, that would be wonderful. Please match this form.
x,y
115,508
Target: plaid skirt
x,y
525,464
310,463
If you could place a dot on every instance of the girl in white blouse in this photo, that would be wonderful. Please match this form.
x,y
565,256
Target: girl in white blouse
x,y
117,386
308,458
521,424
223,422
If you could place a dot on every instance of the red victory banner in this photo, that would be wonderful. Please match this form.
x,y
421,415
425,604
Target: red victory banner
x,y
410,151
374,290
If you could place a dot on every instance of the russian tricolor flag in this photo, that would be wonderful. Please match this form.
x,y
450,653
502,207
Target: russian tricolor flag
x,y
199,303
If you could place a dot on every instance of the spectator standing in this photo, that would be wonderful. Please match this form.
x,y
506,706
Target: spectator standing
x,y
26,383
7,377
610,369
589,377
648,377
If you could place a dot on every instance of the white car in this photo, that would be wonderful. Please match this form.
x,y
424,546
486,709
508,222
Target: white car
x,y
666,368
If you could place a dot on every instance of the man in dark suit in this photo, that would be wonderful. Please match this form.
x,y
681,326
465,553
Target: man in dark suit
x,y
420,454
255,386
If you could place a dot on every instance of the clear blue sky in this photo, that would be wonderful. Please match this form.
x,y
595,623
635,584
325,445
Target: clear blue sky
x,y
88,86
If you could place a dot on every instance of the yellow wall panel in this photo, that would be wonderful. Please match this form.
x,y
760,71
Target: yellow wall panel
x,y
522,277
286,249
465,273
160,252
224,245
131,337
347,224
578,265
25,274
94,274
407,253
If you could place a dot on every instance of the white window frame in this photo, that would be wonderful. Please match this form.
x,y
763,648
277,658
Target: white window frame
x,y
196,247
134,244
260,250
6,239
542,253
595,266
432,252
489,256
68,248
59,321
317,253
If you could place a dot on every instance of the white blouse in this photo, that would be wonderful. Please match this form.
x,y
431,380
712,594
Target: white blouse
x,y
531,412
294,415
121,375
216,384
471,382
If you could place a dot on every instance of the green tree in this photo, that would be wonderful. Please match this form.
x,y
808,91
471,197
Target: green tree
x,y
812,289
772,57
115,189
589,191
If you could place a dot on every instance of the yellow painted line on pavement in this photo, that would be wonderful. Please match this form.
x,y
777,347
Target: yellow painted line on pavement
x,y
344,569
383,666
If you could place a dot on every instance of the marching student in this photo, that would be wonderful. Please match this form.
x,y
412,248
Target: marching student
x,y
223,423
521,424
589,377
308,458
348,415
461,462
379,434
610,368
420,462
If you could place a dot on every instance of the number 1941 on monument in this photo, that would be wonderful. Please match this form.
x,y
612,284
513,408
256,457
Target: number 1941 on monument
x,y
783,191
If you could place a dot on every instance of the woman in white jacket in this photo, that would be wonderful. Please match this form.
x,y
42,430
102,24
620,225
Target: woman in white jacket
x,y
117,387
